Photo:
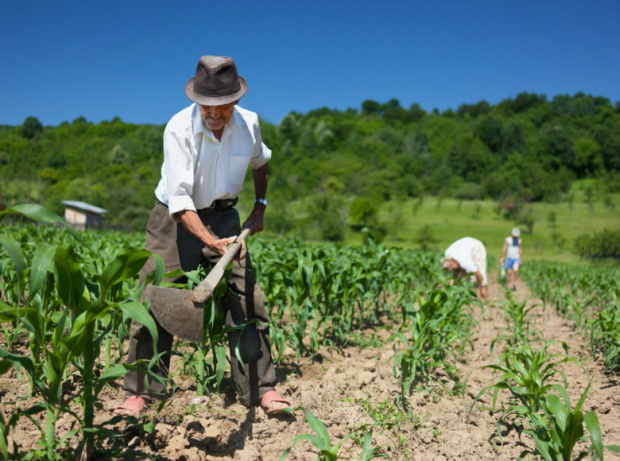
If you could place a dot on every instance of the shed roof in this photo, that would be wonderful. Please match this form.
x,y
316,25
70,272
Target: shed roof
x,y
84,206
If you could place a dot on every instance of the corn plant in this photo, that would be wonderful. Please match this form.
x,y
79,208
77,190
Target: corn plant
x,y
520,319
63,317
605,335
368,451
591,301
196,363
434,329
527,374
323,295
559,427
320,439
4,426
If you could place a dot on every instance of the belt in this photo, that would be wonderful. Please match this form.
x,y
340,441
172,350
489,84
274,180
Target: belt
x,y
221,204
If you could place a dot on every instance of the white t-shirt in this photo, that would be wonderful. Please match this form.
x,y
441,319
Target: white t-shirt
x,y
198,168
470,254
512,251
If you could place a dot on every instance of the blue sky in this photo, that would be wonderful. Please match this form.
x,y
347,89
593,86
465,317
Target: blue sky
x,y
101,59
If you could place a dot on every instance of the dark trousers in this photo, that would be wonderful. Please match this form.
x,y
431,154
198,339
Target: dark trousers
x,y
243,303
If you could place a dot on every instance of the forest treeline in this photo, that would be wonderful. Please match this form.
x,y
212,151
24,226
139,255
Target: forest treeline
x,y
526,148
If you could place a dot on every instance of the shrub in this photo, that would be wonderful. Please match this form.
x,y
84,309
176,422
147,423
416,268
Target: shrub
x,y
604,244
469,191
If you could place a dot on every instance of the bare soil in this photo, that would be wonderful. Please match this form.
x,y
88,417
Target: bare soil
x,y
346,389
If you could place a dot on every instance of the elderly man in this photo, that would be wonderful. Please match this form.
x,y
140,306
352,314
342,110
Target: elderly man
x,y
467,256
208,148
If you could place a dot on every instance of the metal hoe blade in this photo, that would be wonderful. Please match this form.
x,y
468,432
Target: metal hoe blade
x,y
181,312
177,313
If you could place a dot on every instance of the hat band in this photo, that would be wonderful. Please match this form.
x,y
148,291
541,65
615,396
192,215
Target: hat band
x,y
204,90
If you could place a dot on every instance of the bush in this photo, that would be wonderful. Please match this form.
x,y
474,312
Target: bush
x,y
604,244
469,191
331,226
362,212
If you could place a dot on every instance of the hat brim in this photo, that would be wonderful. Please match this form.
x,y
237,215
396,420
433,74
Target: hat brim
x,y
215,100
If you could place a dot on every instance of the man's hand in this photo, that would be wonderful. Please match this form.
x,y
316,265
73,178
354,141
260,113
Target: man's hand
x,y
483,292
256,217
219,246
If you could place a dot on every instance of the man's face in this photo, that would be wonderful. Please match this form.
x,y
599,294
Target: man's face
x,y
215,118
453,265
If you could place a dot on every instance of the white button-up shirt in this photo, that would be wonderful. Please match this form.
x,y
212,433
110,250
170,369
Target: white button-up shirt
x,y
470,254
198,168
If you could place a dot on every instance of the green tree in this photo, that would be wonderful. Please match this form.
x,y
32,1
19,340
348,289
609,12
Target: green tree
x,y
32,128
362,212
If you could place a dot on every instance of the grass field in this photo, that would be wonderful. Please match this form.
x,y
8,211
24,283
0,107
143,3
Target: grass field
x,y
450,219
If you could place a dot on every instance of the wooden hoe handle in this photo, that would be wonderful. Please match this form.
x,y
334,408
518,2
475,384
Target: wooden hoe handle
x,y
205,289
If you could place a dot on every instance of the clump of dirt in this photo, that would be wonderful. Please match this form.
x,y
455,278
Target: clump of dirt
x,y
351,391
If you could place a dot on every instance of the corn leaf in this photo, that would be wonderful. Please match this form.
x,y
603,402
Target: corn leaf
x,y
69,279
14,250
559,411
42,214
318,427
5,366
110,375
42,263
594,429
123,267
138,312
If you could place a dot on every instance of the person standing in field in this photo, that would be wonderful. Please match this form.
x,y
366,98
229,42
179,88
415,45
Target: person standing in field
x,y
513,255
467,256
208,148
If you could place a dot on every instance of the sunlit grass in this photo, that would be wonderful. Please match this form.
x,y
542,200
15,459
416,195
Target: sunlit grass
x,y
451,219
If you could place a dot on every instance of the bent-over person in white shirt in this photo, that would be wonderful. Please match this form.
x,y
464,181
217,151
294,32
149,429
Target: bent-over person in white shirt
x,y
467,256
208,148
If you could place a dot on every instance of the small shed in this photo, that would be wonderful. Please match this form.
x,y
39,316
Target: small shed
x,y
82,215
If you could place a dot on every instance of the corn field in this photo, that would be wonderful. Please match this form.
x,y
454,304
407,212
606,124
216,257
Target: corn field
x,y
67,299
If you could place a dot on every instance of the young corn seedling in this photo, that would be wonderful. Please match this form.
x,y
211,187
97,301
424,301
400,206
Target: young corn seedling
x,y
368,451
527,375
423,348
438,328
605,335
559,427
320,439
520,318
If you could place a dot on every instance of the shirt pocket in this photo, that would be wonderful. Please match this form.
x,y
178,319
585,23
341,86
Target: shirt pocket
x,y
238,168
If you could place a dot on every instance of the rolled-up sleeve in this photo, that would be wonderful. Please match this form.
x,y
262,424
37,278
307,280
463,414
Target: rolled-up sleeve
x,y
179,173
261,154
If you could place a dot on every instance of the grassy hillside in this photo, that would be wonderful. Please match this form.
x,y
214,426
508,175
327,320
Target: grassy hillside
x,y
450,219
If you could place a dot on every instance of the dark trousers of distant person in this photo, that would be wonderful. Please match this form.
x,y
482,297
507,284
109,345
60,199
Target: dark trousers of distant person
x,y
243,303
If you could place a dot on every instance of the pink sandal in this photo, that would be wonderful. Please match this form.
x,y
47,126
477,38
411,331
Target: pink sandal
x,y
133,406
272,403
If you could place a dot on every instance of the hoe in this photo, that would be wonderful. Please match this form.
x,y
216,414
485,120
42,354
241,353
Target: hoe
x,y
181,312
